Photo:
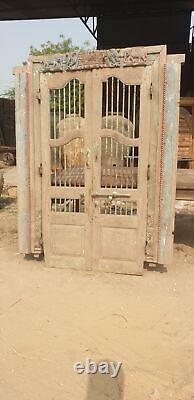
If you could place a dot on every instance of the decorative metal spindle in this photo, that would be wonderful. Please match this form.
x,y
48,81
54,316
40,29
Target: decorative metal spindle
x,y
54,127
107,98
64,102
122,164
127,176
111,156
110,209
59,96
54,115
129,107
134,110
54,166
74,96
117,104
116,156
69,99
123,108
79,96
59,149
112,100
132,171
60,166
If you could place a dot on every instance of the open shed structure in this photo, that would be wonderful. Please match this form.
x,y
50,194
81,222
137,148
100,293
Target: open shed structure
x,y
123,23
97,145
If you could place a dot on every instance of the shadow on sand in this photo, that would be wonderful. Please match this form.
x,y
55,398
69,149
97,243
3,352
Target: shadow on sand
x,y
103,387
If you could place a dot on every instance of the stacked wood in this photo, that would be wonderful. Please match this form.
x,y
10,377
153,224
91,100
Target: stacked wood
x,y
185,134
185,179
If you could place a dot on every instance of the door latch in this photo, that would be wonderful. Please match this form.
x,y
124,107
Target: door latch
x,y
40,170
148,172
88,158
151,91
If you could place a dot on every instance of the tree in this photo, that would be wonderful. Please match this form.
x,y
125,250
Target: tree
x,y
62,46
8,94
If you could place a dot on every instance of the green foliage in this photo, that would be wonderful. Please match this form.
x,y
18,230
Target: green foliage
x,y
62,46
9,94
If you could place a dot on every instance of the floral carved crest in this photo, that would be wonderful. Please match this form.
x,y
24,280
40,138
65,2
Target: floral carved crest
x,y
95,59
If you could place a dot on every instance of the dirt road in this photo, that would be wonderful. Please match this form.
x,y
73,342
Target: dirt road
x,y
52,318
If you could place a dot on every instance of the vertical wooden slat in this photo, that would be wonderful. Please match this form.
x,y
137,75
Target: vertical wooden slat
x,y
69,99
134,109
129,107
168,190
79,96
123,107
117,103
74,111
107,98
23,170
64,102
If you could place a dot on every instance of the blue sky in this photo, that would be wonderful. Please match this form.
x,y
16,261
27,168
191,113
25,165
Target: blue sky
x,y
18,36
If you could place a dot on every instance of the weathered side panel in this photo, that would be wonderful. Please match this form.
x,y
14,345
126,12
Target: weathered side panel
x,y
22,141
168,191
36,129
154,156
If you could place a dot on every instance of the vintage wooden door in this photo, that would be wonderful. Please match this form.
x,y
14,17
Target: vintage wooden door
x,y
95,128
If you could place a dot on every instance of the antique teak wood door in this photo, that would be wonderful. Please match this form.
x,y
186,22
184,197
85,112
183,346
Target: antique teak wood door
x,y
95,138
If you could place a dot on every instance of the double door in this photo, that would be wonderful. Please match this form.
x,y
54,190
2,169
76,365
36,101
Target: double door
x,y
95,129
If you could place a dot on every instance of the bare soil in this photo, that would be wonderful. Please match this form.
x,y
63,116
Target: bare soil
x,y
52,318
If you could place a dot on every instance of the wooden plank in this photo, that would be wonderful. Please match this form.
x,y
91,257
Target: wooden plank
x,y
187,101
185,195
185,179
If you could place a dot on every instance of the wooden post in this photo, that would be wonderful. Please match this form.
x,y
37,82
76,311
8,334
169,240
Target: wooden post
x,y
22,144
168,191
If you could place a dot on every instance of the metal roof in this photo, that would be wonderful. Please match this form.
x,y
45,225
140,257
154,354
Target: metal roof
x,y
20,9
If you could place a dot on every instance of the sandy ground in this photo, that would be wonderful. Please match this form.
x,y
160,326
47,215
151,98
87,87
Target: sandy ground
x,y
52,318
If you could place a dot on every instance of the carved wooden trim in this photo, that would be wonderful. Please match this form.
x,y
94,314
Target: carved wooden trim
x,y
95,59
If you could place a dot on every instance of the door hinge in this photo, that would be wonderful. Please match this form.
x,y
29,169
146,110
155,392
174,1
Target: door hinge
x,y
148,172
40,170
151,91
38,96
